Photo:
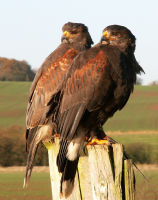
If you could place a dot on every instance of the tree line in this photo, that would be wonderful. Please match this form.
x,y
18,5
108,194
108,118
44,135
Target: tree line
x,y
12,148
13,153
14,70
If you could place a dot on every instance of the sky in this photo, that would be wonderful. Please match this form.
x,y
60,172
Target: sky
x,y
31,29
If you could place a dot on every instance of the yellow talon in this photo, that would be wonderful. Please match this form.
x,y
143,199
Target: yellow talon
x,y
96,141
56,135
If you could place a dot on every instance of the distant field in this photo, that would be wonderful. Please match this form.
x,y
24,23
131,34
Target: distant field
x,y
145,190
140,113
40,189
127,138
142,145
11,187
13,102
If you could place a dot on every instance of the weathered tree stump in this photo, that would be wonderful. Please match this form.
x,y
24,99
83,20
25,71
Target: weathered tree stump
x,y
103,175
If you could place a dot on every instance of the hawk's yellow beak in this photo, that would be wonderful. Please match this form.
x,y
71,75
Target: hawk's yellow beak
x,y
67,34
107,36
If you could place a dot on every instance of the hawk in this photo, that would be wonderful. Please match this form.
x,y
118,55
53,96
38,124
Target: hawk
x,y
98,83
75,39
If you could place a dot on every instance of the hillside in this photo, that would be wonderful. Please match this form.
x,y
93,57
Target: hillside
x,y
13,102
140,113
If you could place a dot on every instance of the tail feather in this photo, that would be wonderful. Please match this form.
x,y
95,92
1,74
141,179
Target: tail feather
x,y
67,161
29,165
30,133
68,178
43,134
61,158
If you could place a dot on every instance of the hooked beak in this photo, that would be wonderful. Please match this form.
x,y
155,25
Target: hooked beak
x,y
66,36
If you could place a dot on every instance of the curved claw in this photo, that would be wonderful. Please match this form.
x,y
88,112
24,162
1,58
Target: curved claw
x,y
85,150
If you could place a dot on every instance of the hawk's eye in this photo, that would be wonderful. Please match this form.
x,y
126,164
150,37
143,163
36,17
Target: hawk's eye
x,y
116,34
74,32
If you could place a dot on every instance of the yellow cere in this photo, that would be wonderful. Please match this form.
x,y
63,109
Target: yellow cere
x,y
65,32
105,34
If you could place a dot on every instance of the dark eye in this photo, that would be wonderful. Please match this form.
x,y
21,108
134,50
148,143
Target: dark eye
x,y
116,34
74,32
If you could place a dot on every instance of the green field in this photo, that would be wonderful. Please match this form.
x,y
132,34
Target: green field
x,y
143,148
13,102
145,190
11,187
40,189
140,113
149,138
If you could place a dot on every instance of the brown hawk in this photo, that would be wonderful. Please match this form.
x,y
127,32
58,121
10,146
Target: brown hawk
x,y
97,84
75,39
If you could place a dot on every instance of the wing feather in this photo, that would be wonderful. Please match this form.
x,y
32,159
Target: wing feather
x,y
81,82
46,82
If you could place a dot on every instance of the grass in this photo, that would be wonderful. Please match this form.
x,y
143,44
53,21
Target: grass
x,y
13,98
140,113
40,189
11,187
145,190
136,138
141,147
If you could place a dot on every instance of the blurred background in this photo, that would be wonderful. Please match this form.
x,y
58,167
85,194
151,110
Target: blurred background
x,y
29,32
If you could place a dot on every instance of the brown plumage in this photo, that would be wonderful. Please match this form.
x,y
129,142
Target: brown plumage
x,y
97,84
75,39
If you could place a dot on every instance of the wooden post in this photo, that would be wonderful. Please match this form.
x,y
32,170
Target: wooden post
x,y
129,180
103,175
55,176
85,178
112,178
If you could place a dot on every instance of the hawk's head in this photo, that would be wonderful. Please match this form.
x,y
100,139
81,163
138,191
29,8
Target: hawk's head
x,y
76,33
119,36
